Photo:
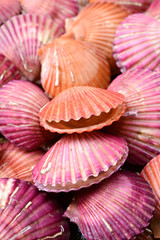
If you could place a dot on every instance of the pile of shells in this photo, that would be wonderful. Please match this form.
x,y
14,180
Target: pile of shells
x,y
80,119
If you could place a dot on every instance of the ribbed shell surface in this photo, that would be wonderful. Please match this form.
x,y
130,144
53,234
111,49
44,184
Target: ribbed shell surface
x,y
97,23
8,71
137,43
80,160
26,213
80,109
20,102
151,173
18,163
141,121
25,34
119,207
68,63
8,8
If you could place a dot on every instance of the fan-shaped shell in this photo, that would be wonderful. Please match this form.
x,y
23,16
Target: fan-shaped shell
x,y
136,43
25,34
59,10
8,71
67,63
19,108
26,213
79,160
140,124
18,163
134,6
8,8
97,23
151,173
119,207
80,109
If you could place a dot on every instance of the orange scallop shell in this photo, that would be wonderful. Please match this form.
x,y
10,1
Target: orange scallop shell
x,y
151,173
67,63
97,23
80,109
18,163
134,6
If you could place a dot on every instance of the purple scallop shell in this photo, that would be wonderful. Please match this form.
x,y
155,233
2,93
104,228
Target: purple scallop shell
x,y
120,207
26,213
20,102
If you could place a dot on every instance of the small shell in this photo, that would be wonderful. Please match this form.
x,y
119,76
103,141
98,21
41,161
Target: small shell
x,y
79,160
8,71
59,10
97,24
119,207
151,173
82,109
134,6
68,63
8,8
26,213
140,124
17,163
137,43
25,34
20,102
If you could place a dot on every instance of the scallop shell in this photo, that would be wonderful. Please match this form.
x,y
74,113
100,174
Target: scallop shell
x,y
18,163
62,63
20,102
97,23
151,173
8,8
26,213
154,9
120,207
136,43
79,160
59,10
25,34
134,6
80,109
8,71
141,121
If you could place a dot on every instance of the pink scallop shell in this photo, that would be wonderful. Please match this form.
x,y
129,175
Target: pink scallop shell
x,y
134,6
80,160
18,163
59,10
136,43
119,207
8,8
154,9
19,108
80,109
26,213
25,34
62,63
8,71
141,122
151,173
97,24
